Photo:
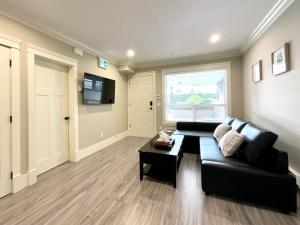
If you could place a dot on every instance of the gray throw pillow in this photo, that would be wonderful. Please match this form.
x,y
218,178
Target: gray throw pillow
x,y
221,130
230,142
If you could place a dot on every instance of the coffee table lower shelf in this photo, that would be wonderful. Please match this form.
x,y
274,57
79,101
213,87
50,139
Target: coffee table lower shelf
x,y
161,163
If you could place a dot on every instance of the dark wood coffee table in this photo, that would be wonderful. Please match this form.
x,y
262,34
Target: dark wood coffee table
x,y
163,159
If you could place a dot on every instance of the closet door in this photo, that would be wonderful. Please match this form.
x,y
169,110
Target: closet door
x,y
5,125
52,143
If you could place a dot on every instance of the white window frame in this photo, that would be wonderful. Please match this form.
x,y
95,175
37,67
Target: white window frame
x,y
204,67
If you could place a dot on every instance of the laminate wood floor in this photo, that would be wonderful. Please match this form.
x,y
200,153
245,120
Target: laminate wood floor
x,y
105,189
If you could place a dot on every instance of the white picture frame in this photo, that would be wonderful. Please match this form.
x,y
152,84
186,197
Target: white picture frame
x,y
257,72
281,60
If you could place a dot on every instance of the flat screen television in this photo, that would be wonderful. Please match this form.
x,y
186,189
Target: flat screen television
x,y
98,90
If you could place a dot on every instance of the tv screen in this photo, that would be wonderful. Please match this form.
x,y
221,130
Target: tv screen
x,y
98,90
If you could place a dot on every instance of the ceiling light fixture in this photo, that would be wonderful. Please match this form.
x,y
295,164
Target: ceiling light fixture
x,y
215,38
130,53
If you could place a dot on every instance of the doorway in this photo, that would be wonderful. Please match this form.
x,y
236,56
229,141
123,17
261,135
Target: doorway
x,y
52,114
141,105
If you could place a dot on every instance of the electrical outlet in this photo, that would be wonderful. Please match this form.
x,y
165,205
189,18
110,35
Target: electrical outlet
x,y
102,134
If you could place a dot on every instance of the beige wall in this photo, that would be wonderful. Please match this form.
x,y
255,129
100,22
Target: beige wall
x,y
236,84
110,119
274,103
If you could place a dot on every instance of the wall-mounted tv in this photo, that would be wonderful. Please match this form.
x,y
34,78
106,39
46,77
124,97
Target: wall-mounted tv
x,y
98,90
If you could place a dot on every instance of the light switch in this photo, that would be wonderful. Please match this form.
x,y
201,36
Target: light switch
x,y
79,88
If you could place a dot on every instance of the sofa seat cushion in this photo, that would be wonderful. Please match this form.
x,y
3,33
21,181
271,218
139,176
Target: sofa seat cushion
x,y
193,133
210,151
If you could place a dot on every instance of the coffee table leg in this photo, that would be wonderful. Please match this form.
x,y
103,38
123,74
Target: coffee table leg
x,y
175,174
141,170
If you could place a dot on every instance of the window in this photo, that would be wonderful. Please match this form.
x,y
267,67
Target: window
x,y
198,94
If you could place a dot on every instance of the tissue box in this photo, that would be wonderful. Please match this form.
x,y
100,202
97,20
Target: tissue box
x,y
163,145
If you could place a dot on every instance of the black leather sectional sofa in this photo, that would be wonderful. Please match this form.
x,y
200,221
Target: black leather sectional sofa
x,y
258,177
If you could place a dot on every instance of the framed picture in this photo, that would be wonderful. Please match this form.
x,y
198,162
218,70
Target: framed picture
x,y
281,60
257,72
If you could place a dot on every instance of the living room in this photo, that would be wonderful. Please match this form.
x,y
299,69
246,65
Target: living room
x,y
72,154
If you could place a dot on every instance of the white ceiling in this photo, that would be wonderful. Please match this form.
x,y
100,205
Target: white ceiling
x,y
153,28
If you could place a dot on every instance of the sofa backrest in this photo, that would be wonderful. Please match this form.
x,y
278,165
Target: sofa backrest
x,y
228,120
196,126
258,143
238,124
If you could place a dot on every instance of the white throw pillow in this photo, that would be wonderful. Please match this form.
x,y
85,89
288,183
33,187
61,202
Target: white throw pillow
x,y
221,130
230,142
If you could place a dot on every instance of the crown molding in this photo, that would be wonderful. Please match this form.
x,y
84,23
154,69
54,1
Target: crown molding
x,y
191,59
10,41
61,37
264,25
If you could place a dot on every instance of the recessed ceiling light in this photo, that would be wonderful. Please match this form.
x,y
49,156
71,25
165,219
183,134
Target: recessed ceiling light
x,y
215,38
130,53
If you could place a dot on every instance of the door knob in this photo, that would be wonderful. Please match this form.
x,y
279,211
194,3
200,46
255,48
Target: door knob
x,y
67,118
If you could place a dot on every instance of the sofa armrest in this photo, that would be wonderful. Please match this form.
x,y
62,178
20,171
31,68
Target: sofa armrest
x,y
277,161
196,126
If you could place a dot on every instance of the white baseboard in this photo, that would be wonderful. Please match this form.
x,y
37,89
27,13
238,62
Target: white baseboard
x,y
20,181
100,145
297,175
32,176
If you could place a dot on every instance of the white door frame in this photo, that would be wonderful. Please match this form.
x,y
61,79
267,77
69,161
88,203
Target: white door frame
x,y
143,74
33,52
14,45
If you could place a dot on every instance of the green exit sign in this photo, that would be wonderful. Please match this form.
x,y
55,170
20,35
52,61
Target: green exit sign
x,y
103,63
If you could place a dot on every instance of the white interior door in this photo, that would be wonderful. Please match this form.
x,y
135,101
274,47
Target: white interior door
x,y
141,105
52,142
5,128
